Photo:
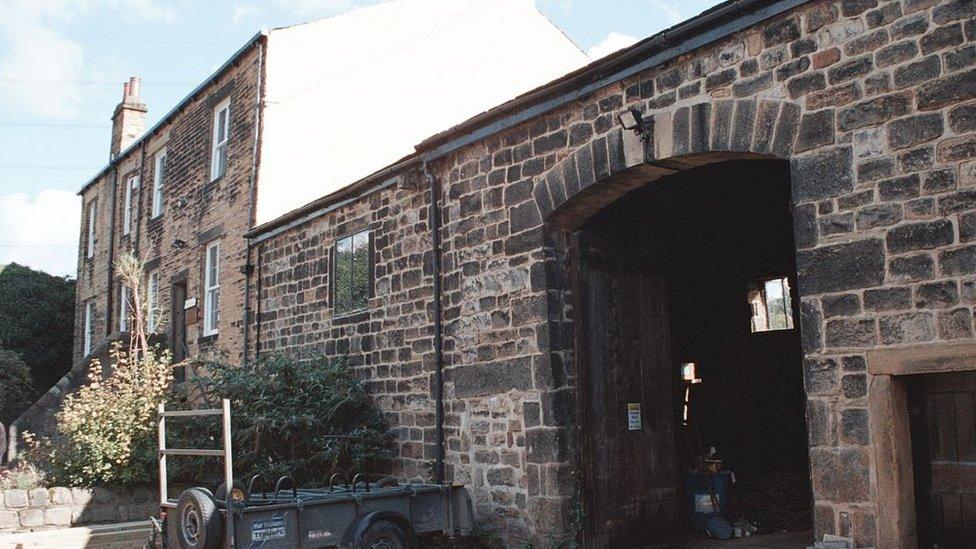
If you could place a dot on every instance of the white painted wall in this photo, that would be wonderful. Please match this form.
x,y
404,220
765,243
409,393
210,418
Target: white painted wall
x,y
349,95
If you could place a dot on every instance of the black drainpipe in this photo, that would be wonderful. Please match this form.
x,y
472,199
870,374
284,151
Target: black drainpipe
x,y
248,268
142,185
435,237
111,251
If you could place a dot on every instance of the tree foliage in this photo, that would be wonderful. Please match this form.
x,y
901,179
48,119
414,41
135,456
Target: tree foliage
x,y
37,321
106,431
304,419
16,389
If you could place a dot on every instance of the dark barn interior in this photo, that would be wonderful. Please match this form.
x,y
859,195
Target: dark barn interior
x,y
695,268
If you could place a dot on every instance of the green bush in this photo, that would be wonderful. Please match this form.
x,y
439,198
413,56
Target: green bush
x,y
16,387
37,321
106,431
304,419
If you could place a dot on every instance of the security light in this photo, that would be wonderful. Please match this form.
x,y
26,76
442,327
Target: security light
x,y
632,119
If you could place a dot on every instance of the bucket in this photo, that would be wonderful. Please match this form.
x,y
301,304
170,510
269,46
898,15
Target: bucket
x,y
700,497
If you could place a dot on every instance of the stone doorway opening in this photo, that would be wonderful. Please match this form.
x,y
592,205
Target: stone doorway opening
x,y
693,268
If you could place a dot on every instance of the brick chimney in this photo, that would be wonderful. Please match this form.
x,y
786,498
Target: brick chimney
x,y
129,120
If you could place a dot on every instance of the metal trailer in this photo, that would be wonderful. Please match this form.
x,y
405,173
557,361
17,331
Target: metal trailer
x,y
350,513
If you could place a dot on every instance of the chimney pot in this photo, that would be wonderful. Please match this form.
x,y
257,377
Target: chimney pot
x,y
129,119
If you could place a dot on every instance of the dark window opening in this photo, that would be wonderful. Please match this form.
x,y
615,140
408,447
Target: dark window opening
x,y
770,303
353,276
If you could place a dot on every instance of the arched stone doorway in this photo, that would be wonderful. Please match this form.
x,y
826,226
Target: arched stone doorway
x,y
622,306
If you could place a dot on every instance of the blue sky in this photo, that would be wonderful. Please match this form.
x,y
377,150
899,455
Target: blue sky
x,y
62,64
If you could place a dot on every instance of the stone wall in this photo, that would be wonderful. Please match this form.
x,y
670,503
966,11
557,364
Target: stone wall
x,y
63,507
873,104
196,211
391,343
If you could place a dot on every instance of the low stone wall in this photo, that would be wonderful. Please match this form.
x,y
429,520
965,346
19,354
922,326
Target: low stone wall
x,y
62,507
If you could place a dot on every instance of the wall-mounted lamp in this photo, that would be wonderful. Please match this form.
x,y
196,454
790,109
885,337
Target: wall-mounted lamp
x,y
179,244
632,119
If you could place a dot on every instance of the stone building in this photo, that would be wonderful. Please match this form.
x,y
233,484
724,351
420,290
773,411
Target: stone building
x,y
523,330
236,151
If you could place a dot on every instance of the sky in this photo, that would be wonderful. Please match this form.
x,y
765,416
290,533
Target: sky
x,y
62,64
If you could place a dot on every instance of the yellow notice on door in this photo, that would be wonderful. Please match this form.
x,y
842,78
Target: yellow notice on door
x,y
633,416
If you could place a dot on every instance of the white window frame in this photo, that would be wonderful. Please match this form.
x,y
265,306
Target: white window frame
x,y
89,323
219,141
124,309
90,245
159,173
152,300
211,289
131,185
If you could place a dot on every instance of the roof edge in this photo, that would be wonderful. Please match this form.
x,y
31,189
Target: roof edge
x,y
712,25
709,26
320,206
179,106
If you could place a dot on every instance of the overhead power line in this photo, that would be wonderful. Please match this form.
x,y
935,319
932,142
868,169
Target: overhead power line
x,y
128,41
51,81
38,245
61,200
48,166
53,124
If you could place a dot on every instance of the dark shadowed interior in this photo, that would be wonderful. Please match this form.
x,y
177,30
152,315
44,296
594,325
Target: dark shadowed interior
x,y
666,277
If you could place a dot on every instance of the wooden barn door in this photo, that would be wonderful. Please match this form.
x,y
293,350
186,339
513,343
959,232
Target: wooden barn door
x,y
627,416
942,411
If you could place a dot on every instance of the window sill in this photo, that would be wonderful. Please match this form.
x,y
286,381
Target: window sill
x,y
208,338
351,317
214,181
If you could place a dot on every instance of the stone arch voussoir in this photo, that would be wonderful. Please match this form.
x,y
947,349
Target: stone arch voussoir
x,y
615,163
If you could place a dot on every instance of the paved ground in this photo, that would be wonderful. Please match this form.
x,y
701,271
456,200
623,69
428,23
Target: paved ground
x,y
781,540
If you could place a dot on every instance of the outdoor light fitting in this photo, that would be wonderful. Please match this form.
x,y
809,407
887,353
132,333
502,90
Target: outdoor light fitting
x,y
632,119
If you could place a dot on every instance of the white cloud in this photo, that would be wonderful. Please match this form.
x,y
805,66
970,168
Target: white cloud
x,y
41,231
34,50
671,13
39,54
613,42
245,11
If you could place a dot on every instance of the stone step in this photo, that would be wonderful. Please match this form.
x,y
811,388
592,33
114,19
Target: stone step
x,y
125,535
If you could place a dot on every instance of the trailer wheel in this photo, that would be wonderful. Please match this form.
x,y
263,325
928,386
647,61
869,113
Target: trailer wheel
x,y
198,525
383,534
221,494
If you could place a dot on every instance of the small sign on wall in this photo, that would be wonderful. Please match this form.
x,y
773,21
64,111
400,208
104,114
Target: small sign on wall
x,y
191,312
633,416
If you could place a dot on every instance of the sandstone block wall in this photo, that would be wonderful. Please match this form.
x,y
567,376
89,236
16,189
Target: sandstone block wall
x,y
196,211
63,507
872,102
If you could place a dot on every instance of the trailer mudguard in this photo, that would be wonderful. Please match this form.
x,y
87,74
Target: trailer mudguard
x,y
356,530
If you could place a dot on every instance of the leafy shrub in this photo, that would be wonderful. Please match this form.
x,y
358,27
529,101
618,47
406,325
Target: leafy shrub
x,y
106,431
304,419
16,388
21,477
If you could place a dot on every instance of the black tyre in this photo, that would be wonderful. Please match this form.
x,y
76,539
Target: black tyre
x,y
384,534
220,495
197,521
